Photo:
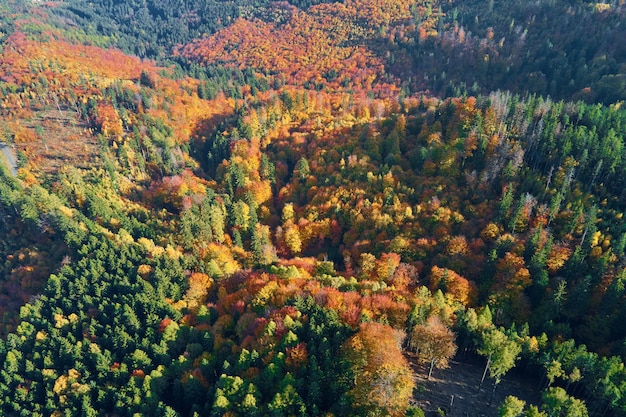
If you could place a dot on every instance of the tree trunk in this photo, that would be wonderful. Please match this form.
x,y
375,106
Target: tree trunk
x,y
430,370
484,373
493,391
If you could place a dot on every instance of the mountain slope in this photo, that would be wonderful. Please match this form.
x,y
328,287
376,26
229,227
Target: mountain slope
x,y
266,220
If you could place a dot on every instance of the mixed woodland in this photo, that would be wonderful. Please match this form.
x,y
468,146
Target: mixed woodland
x,y
253,208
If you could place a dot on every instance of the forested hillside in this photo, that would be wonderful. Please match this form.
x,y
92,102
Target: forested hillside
x,y
274,209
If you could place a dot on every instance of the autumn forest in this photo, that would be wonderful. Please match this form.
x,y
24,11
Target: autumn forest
x,y
312,208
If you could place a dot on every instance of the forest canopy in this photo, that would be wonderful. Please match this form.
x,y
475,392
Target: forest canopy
x,y
261,208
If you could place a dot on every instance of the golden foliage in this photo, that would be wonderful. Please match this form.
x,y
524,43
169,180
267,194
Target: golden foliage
x,y
557,258
383,380
490,232
199,286
457,245
452,283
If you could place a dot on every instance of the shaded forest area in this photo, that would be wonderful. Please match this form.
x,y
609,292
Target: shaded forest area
x,y
286,201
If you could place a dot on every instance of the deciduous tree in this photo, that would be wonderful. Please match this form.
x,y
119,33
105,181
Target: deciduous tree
x,y
501,353
433,342
383,381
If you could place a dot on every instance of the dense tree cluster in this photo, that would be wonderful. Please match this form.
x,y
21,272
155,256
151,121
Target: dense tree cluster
x,y
274,224
150,29
476,46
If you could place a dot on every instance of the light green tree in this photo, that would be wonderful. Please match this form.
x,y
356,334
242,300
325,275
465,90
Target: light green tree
x,y
501,353
557,403
511,407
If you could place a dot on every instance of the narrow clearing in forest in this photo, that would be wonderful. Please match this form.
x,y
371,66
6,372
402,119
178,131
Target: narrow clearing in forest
x,y
461,380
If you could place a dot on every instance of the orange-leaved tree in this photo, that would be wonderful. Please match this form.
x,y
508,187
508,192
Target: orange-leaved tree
x,y
383,381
